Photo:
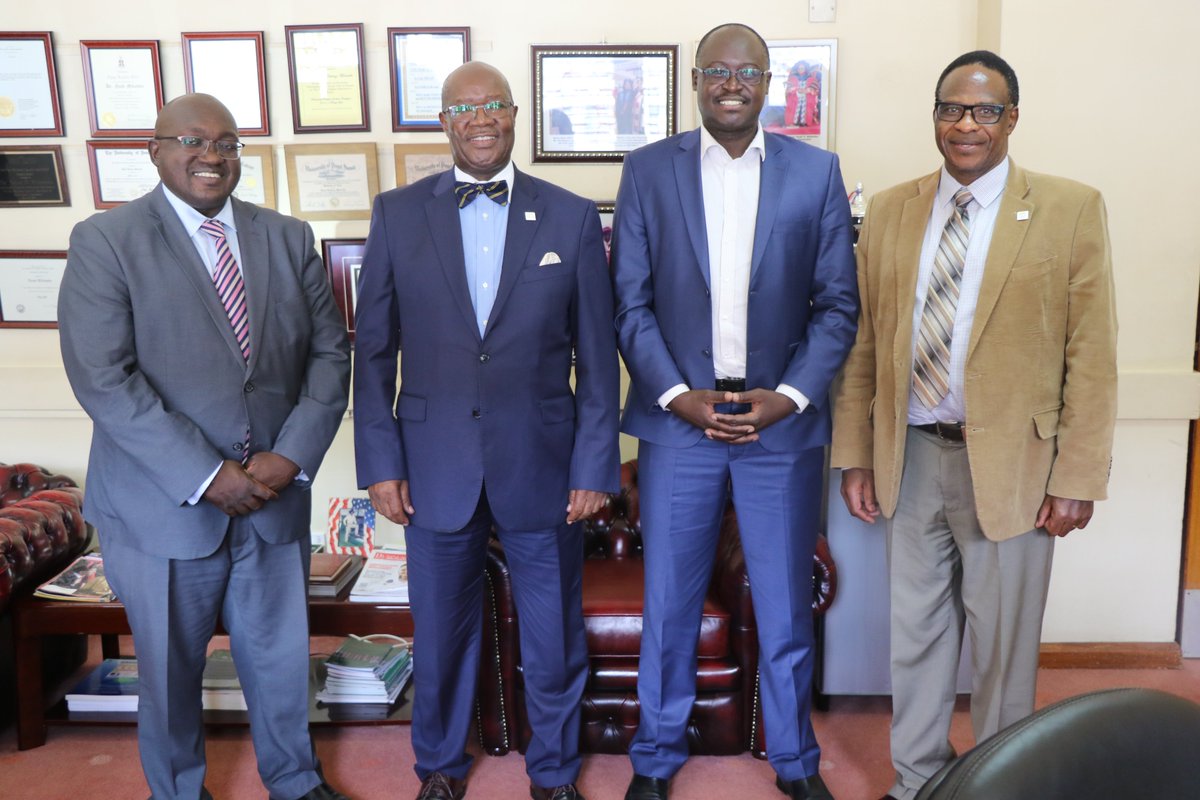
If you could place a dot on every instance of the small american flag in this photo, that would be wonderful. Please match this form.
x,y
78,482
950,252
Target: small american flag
x,y
351,525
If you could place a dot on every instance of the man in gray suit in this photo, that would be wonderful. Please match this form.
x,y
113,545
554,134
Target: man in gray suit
x,y
200,335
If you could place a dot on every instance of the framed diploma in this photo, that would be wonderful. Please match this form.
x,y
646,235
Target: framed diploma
x,y
121,171
29,281
800,97
230,67
595,103
124,87
32,176
332,181
343,260
328,82
29,103
421,58
417,161
258,175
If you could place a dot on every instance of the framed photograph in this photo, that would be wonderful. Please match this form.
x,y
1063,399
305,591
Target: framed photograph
x,y
803,83
606,209
258,176
29,104
595,103
327,78
124,87
32,176
417,161
332,181
343,260
420,59
230,67
29,281
121,171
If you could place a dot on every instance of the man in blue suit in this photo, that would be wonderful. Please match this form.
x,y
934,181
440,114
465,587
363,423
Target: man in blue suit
x,y
488,280
736,305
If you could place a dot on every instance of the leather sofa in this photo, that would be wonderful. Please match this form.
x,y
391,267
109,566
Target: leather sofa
x,y
726,716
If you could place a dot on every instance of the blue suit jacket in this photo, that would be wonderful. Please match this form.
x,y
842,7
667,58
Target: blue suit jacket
x,y
497,409
803,304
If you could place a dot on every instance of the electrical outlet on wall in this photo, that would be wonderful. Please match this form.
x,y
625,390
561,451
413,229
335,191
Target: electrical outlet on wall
x,y
822,10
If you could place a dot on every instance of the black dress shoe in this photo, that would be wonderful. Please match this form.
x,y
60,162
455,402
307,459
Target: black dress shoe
x,y
565,792
438,786
322,791
643,787
810,788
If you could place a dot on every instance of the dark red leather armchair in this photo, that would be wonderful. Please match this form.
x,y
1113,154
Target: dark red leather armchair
x,y
726,716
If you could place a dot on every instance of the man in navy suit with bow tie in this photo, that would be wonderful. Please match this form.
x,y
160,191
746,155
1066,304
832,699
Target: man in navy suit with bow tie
x,y
489,281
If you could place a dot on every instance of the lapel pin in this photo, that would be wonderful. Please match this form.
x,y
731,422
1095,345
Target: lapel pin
x,y
530,216
1022,216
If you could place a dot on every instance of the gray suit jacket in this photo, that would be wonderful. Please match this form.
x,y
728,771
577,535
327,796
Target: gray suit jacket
x,y
152,359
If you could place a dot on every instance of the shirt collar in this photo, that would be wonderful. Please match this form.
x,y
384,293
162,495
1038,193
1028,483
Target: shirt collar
x,y
193,219
984,189
506,174
758,143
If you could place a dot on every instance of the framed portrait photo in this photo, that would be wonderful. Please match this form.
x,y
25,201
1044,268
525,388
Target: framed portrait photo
x,y
257,184
332,181
121,171
803,83
595,103
32,176
29,104
29,281
230,67
123,83
327,79
343,260
420,59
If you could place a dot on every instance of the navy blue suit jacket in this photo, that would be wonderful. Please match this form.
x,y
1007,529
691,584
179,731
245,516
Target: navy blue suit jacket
x,y
497,409
803,304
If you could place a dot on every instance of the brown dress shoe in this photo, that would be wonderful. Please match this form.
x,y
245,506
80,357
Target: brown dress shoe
x,y
565,792
438,786
810,788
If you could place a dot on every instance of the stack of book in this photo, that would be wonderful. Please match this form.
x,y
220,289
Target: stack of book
x,y
384,579
112,686
328,573
82,582
362,671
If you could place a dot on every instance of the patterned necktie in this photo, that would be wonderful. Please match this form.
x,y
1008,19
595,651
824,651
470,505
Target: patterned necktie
x,y
466,192
931,361
228,280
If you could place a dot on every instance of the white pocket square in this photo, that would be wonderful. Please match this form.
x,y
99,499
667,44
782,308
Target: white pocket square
x,y
550,258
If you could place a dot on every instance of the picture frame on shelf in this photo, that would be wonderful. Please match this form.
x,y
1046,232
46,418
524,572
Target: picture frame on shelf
x,y
332,181
420,59
257,184
123,84
29,281
417,161
32,176
121,171
343,260
231,67
327,78
800,97
29,105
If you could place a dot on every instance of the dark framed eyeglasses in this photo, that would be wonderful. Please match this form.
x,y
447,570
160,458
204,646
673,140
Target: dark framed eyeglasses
x,y
198,146
751,76
493,109
982,113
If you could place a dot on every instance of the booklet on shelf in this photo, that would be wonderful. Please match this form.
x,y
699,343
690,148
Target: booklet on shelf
x,y
363,671
329,573
82,582
384,578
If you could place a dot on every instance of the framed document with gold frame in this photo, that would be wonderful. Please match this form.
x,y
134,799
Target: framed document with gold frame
x,y
32,176
417,161
332,181
29,104
124,87
29,281
343,259
420,60
258,176
221,64
327,79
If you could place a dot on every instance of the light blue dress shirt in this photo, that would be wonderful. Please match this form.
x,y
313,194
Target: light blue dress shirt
x,y
484,227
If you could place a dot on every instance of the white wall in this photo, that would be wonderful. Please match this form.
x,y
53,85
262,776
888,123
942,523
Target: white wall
x,y
1104,100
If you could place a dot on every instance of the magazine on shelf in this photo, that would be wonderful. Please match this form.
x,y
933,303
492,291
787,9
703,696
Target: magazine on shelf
x,y
82,582
384,578
363,671
112,686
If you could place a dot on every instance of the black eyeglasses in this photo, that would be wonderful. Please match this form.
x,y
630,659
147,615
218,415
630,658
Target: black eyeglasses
x,y
494,109
198,146
982,113
751,76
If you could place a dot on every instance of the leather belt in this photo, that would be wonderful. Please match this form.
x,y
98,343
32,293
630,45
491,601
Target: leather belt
x,y
731,384
948,431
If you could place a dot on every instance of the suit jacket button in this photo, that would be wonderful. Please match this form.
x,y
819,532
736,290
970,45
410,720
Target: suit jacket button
x,y
475,414
238,446
706,352
249,387
483,358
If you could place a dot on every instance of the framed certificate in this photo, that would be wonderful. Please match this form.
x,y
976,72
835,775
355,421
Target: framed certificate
x,y
800,97
29,103
417,161
121,171
29,281
421,58
332,181
32,176
258,175
595,103
230,67
343,260
124,87
328,82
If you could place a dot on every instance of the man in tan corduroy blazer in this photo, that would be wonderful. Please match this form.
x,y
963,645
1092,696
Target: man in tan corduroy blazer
x,y
977,479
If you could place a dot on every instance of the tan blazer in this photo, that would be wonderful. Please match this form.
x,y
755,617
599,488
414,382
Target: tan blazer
x,y
1040,376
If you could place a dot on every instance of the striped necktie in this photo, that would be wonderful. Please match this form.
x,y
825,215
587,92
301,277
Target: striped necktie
x,y
466,192
931,360
228,280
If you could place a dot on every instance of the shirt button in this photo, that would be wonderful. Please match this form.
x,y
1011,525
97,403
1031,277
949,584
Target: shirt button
x,y
485,284
485,216
485,248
